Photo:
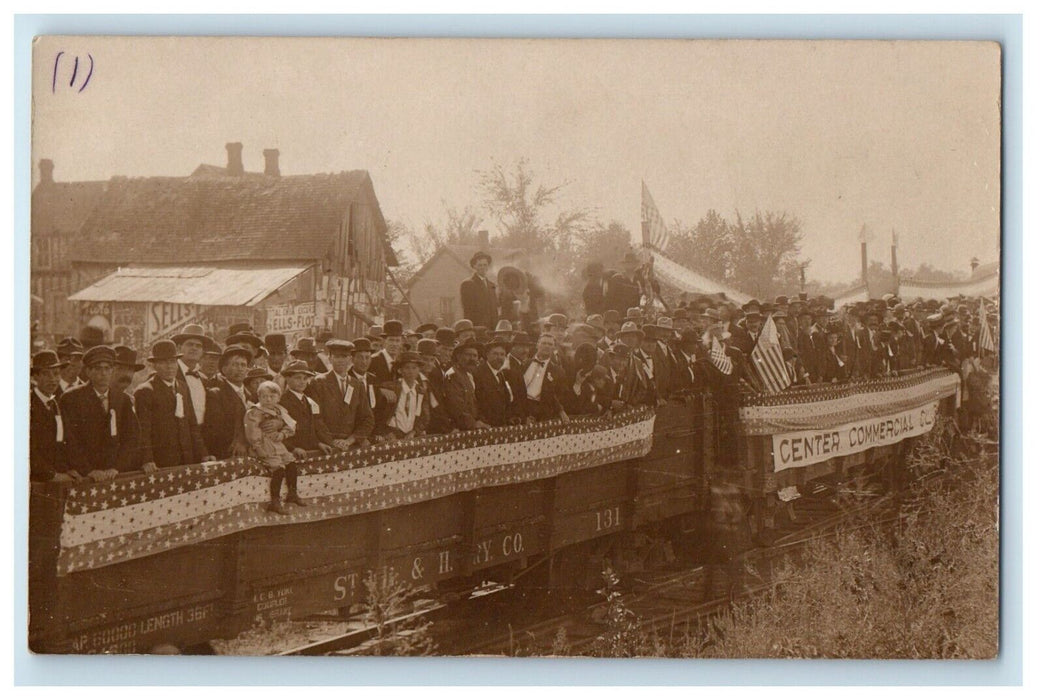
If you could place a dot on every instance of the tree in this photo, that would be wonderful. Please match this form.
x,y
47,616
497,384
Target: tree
x,y
523,210
757,255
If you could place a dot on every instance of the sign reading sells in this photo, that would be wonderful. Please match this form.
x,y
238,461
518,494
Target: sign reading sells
x,y
800,449
288,318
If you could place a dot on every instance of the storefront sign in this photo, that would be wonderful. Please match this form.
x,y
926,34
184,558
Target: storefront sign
x,y
290,318
800,449
163,319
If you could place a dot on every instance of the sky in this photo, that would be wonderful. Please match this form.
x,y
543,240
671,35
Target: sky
x,y
890,135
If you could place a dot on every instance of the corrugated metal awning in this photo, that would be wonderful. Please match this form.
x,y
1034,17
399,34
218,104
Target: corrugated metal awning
x,y
202,285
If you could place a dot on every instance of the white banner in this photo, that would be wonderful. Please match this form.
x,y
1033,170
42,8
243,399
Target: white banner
x,y
800,449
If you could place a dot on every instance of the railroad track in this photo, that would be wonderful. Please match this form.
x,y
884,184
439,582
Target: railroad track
x,y
662,600
668,602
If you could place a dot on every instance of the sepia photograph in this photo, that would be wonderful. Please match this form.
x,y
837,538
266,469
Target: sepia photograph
x,y
483,347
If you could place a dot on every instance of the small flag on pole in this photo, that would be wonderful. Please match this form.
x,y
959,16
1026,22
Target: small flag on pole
x,y
719,358
985,336
768,361
654,231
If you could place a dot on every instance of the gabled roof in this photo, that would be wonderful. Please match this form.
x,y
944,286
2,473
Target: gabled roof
x,y
210,218
461,254
61,207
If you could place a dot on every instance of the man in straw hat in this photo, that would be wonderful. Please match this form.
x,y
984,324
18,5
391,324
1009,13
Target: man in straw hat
x,y
101,430
46,431
170,434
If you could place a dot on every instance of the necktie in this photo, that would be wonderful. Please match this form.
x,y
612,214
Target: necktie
x,y
105,402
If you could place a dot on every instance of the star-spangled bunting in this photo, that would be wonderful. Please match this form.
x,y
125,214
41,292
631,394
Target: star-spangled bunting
x,y
120,520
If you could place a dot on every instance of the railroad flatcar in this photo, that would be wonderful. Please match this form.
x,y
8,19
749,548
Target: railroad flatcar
x,y
188,554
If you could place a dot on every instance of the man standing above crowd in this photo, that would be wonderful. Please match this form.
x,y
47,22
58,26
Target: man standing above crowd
x,y
101,430
478,296
343,399
170,434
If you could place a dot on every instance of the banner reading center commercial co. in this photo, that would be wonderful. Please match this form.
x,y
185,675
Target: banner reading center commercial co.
x,y
800,449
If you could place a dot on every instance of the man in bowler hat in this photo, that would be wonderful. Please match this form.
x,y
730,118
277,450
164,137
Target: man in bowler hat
x,y
478,296
46,432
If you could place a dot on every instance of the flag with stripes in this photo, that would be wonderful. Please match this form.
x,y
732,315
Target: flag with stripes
x,y
654,231
719,358
768,361
985,336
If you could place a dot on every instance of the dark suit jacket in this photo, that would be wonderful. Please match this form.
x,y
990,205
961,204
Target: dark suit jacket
x,y
594,297
621,294
89,443
311,430
223,422
461,406
343,420
810,349
166,440
439,422
492,398
46,454
478,300
381,369
549,405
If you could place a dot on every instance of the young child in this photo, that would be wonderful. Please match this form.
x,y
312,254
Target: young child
x,y
266,425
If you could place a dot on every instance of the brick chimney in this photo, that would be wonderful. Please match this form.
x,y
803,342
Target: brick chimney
x,y
483,239
46,171
235,158
271,161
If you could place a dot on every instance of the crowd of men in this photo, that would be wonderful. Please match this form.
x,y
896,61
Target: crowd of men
x,y
87,421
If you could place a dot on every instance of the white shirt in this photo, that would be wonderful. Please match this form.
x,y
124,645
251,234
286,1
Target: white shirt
x,y
197,392
534,377
407,409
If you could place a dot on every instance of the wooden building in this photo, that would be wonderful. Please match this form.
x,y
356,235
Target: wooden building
x,y
57,211
288,254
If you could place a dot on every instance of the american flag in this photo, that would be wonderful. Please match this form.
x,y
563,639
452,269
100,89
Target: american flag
x,y
985,336
768,359
719,358
654,231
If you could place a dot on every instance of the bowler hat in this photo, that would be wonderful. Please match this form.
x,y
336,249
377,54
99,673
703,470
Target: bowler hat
x,y
192,331
297,367
392,329
69,347
46,359
427,346
258,373
210,346
236,351
375,331
276,342
357,345
127,357
752,307
99,353
463,325
304,346
522,339
557,321
479,256
446,336
164,350
690,337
